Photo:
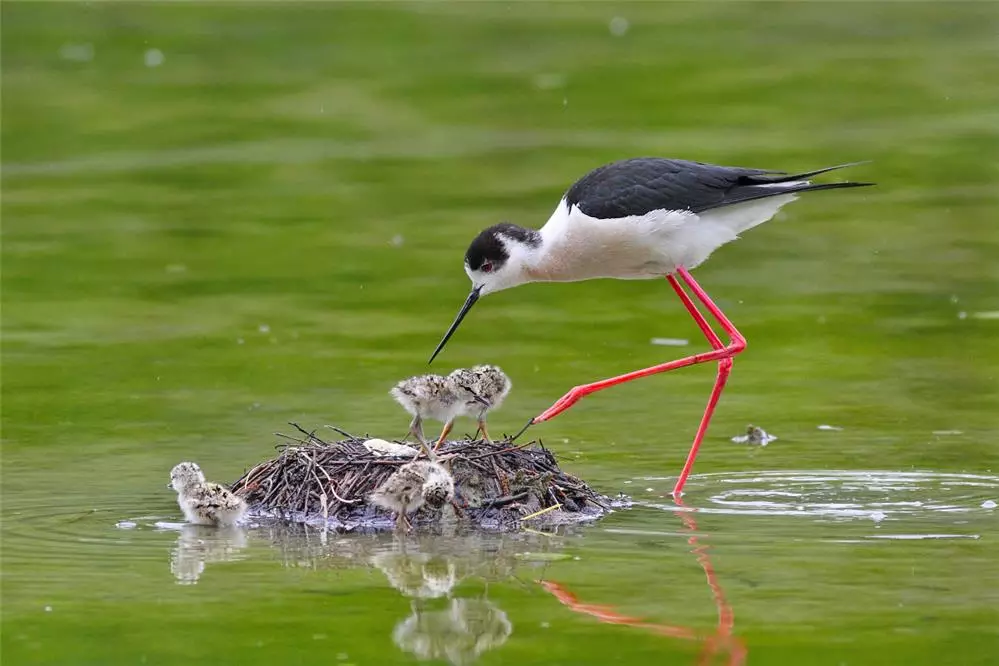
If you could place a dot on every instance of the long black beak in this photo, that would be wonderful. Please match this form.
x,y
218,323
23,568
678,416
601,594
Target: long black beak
x,y
469,302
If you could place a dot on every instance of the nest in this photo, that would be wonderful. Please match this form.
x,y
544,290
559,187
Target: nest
x,y
497,485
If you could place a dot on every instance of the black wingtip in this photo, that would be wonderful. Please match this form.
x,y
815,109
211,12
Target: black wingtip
x,y
816,172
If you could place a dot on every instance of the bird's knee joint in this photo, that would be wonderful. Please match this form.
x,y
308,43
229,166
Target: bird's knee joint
x,y
737,346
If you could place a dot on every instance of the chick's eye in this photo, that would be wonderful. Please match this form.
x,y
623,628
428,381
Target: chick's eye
x,y
487,267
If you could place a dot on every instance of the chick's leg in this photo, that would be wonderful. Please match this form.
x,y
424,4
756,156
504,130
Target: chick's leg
x,y
402,523
416,429
444,434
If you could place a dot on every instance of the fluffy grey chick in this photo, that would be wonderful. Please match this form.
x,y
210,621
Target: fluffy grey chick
x,y
413,485
204,503
482,388
428,397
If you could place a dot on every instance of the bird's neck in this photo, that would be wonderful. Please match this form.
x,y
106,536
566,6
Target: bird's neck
x,y
551,260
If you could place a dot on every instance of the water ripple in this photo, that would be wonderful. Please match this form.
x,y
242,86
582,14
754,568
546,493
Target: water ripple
x,y
843,495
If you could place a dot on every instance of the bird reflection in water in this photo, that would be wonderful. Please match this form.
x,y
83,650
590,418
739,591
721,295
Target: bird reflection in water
x,y
198,545
458,633
722,639
441,626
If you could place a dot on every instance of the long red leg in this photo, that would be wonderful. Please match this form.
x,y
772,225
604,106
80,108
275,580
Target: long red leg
x,y
719,353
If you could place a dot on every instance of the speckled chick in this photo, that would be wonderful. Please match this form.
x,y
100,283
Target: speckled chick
x,y
483,388
427,397
202,502
413,485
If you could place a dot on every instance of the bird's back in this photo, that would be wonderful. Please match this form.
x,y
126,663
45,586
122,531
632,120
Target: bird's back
x,y
639,185
428,396
493,384
211,503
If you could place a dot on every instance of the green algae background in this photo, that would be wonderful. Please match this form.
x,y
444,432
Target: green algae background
x,y
218,218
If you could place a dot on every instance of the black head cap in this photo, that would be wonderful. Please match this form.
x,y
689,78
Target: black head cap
x,y
489,245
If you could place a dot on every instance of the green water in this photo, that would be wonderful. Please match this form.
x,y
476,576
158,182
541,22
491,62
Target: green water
x,y
218,219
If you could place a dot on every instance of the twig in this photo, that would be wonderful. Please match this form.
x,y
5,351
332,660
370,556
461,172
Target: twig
x,y
542,512
342,432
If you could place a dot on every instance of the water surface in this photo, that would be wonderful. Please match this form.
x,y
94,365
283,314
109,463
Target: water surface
x,y
221,218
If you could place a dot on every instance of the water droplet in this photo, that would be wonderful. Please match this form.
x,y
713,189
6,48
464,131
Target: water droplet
x,y
153,57
618,26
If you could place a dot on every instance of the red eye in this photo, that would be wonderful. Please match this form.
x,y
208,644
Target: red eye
x,y
487,267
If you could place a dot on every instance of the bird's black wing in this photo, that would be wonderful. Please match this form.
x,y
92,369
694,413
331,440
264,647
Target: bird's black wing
x,y
640,185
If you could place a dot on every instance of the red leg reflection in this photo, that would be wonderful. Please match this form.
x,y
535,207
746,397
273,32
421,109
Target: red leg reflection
x,y
721,639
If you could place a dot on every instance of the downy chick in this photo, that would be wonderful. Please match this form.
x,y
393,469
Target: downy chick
x,y
204,503
483,387
428,397
413,485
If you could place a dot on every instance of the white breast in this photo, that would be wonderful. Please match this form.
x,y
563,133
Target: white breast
x,y
576,246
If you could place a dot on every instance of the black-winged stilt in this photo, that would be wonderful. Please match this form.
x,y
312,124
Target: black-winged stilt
x,y
485,387
638,219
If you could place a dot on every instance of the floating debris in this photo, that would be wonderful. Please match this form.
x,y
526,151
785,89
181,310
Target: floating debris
x,y
830,428
948,432
496,483
670,342
755,436
989,504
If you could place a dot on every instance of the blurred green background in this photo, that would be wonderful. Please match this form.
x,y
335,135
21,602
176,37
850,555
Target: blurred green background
x,y
218,218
